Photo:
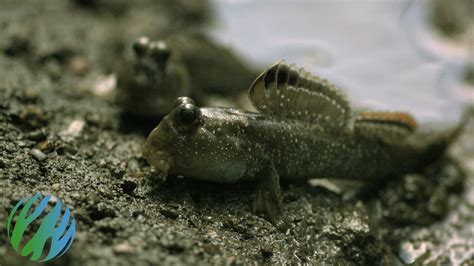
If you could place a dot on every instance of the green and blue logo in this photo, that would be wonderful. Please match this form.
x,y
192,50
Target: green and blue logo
x,y
50,234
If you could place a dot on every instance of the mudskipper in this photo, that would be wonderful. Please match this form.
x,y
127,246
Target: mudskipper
x,y
304,129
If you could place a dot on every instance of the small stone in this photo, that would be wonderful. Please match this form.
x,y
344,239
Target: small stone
x,y
37,135
110,145
98,120
124,248
33,117
30,95
56,186
169,213
46,146
210,248
232,260
133,165
409,252
66,148
76,196
9,147
89,153
105,85
138,174
75,128
117,173
106,193
39,155
22,143
93,119
79,65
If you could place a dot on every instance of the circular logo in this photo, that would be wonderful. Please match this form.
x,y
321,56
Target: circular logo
x,y
39,230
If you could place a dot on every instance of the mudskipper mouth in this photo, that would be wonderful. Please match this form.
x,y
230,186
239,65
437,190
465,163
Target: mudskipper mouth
x,y
161,160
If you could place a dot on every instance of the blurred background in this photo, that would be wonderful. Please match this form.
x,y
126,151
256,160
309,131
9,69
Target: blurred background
x,y
397,55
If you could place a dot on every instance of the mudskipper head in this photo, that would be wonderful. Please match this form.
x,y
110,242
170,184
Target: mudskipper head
x,y
194,142
152,80
151,61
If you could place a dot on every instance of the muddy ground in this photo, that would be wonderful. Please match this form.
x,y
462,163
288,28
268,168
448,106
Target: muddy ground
x,y
59,136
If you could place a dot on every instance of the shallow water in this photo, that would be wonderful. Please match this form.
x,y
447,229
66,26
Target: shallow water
x,y
384,54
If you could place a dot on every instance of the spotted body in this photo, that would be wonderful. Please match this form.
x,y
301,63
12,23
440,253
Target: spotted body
x,y
313,134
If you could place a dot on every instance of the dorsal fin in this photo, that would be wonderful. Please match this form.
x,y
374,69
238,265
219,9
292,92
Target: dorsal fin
x,y
388,127
287,91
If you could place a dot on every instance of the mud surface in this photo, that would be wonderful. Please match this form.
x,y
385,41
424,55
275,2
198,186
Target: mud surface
x,y
58,136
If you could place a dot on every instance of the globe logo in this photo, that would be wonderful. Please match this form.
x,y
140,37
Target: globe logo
x,y
40,232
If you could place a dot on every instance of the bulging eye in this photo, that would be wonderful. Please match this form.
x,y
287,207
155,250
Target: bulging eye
x,y
160,51
182,101
140,46
188,114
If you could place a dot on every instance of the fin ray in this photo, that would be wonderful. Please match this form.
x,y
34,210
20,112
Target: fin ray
x,y
287,91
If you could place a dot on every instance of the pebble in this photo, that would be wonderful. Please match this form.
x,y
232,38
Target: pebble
x,y
210,248
74,128
33,116
79,65
9,147
105,85
89,154
124,248
37,135
39,155
46,146
30,95
66,148
98,120
138,174
409,252
169,213
21,144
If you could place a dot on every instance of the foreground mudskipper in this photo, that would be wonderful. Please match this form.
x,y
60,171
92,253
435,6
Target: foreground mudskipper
x,y
304,129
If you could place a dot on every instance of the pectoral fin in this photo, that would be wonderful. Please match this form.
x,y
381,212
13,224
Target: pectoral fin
x,y
267,199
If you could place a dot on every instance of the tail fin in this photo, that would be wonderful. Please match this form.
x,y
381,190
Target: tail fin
x,y
438,143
